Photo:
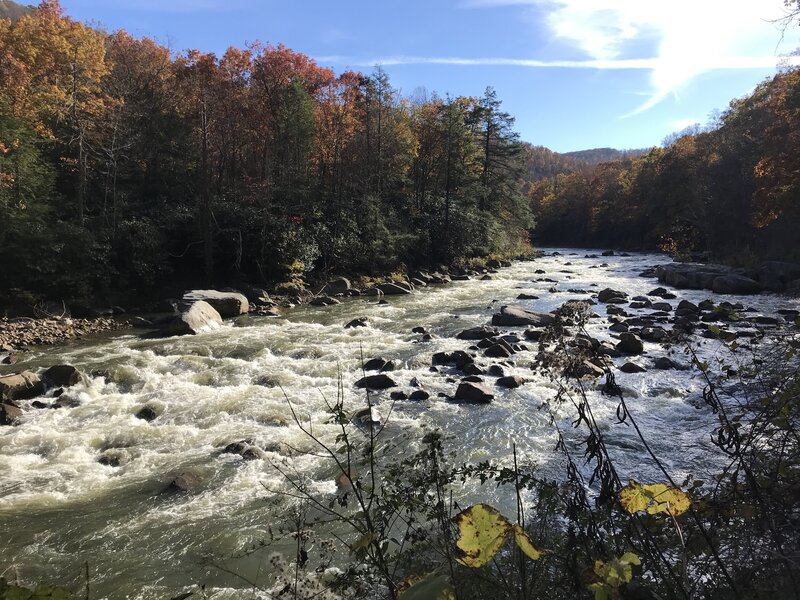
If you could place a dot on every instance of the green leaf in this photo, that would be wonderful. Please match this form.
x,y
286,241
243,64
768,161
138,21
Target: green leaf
x,y
428,587
482,532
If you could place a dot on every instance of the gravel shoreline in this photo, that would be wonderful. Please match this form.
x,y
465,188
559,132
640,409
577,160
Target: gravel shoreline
x,y
18,334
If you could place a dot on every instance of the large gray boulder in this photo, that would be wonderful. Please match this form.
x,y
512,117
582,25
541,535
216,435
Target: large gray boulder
x,y
630,344
20,386
395,288
516,316
227,304
775,275
339,285
200,317
735,284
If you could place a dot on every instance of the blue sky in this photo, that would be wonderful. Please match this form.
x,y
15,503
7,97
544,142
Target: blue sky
x,y
576,74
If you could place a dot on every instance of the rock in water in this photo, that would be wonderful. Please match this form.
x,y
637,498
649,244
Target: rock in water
x,y
630,343
61,376
340,285
227,304
395,288
376,382
20,386
512,316
9,414
735,284
185,482
473,393
200,317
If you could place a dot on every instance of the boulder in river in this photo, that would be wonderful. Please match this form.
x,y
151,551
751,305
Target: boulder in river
x,y
339,285
630,344
324,301
735,284
473,393
511,381
200,317
358,322
9,414
478,333
20,386
609,296
61,376
185,482
227,304
630,367
516,316
776,275
376,382
375,364
395,288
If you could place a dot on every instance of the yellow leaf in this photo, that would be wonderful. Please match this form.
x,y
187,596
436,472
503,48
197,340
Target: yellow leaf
x,y
526,544
363,542
482,532
654,499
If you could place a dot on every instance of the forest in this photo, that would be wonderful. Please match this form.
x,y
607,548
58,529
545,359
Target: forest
x,y
123,167
128,171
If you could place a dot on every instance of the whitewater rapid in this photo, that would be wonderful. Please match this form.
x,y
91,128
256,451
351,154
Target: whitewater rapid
x,y
60,508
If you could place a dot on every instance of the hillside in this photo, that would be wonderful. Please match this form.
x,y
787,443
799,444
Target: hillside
x,y
595,156
12,10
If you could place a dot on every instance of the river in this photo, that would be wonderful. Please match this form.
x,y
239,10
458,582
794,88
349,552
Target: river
x,y
61,509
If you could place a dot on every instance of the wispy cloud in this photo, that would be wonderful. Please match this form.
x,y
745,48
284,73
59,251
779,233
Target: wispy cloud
x,y
687,37
651,64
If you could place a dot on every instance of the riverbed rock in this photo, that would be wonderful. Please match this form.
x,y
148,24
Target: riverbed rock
x,y
511,381
609,296
473,393
358,322
200,317
20,386
338,285
630,343
185,482
478,333
147,413
516,316
419,395
395,288
630,367
9,414
376,382
735,284
227,304
374,364
497,351
61,376
776,275
527,297
324,301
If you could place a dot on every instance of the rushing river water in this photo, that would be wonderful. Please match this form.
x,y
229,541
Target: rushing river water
x,y
60,508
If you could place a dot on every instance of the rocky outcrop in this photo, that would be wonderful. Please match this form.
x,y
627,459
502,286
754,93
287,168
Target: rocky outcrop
x,y
774,276
200,317
227,304
478,333
20,386
516,316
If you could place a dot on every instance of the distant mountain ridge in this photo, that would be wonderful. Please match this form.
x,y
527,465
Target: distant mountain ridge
x,y
543,163
12,10
595,156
